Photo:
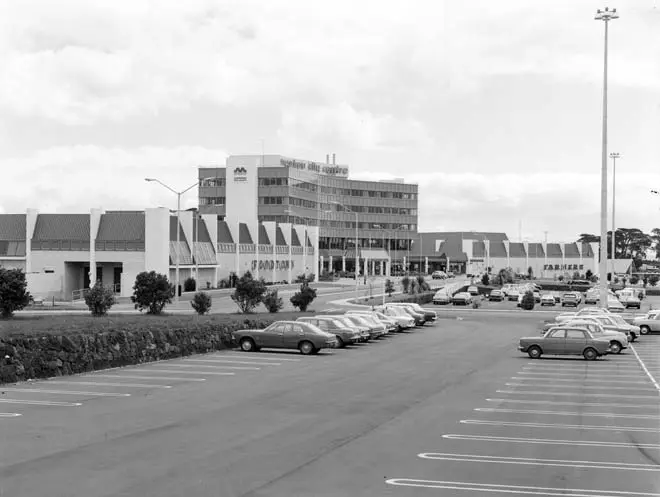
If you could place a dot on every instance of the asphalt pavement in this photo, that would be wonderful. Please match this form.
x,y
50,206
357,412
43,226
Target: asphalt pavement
x,y
449,409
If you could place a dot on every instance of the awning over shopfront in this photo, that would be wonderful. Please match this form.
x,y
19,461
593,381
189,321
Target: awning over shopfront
x,y
375,254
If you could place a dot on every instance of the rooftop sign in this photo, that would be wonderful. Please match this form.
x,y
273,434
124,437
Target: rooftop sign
x,y
316,167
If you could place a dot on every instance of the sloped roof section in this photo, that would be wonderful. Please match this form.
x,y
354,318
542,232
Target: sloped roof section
x,y
587,251
516,249
478,249
295,241
244,235
452,248
204,236
571,251
469,235
535,250
12,227
224,234
125,226
497,249
62,227
554,250
279,237
263,235
173,225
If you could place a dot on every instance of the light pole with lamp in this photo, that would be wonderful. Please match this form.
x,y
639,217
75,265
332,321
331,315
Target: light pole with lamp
x,y
357,257
606,16
178,227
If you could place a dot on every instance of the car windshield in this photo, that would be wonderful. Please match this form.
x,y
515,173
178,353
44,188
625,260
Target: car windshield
x,y
336,323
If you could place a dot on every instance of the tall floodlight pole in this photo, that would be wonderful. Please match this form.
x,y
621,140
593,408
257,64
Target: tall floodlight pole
x,y
178,228
614,156
606,16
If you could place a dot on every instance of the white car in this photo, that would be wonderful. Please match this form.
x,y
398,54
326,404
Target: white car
x,y
649,315
547,299
389,323
401,316
463,298
586,311
613,305
441,297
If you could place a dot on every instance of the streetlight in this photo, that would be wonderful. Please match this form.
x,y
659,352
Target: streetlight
x,y
606,16
178,226
357,260
614,156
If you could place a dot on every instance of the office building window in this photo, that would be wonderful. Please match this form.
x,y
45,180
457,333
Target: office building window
x,y
273,181
212,182
271,200
309,204
212,200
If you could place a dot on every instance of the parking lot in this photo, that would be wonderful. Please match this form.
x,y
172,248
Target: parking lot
x,y
451,408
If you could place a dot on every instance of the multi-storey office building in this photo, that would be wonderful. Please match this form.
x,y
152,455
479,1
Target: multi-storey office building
x,y
319,194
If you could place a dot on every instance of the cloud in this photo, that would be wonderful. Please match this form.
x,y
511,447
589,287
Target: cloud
x,y
76,179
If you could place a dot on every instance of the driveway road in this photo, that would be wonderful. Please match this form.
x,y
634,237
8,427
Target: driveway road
x,y
452,405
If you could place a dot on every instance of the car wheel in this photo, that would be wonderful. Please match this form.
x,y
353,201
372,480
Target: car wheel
x,y
247,345
590,354
306,348
644,330
340,342
615,347
534,352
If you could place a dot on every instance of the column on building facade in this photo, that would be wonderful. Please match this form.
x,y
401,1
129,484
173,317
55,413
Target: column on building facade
x,y
382,268
329,264
579,249
526,249
405,265
343,263
94,221
563,256
426,265
507,247
321,261
545,256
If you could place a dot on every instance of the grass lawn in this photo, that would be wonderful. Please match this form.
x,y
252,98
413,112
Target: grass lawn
x,y
32,325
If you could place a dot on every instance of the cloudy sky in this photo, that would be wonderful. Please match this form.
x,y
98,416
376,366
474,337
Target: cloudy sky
x,y
494,108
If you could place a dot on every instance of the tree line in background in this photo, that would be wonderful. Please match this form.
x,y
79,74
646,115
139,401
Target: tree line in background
x,y
630,243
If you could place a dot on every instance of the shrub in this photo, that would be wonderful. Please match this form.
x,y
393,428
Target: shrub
x,y
304,297
530,272
422,285
13,292
405,284
528,301
208,285
190,285
249,292
588,275
476,304
413,287
560,278
201,302
99,299
152,291
485,280
389,287
272,301
653,279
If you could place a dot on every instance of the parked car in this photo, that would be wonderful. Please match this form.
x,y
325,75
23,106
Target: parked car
x,y
570,298
592,296
362,330
630,299
428,314
513,294
376,330
438,275
616,322
651,323
405,319
419,318
618,340
441,297
344,334
565,340
462,298
649,315
306,337
495,296
389,324
547,299
586,311
473,290
613,305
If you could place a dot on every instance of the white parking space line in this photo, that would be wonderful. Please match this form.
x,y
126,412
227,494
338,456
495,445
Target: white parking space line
x,y
576,376
139,377
66,392
582,380
552,441
576,387
641,363
559,426
440,456
199,373
231,361
654,406
609,366
565,394
568,413
257,357
513,489
104,384
9,415
40,403
213,366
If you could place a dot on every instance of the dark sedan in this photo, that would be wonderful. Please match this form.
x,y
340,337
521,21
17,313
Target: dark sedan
x,y
307,338
565,341
345,335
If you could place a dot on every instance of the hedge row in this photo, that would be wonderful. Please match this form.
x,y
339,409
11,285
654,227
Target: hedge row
x,y
25,357
418,298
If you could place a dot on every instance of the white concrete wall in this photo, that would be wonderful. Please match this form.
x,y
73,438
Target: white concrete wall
x,y
13,263
65,278
132,264
157,240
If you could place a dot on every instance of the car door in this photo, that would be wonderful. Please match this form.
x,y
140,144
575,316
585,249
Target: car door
x,y
553,342
293,334
271,336
655,323
575,341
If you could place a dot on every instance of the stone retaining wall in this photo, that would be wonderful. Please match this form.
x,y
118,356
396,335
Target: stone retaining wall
x,y
23,358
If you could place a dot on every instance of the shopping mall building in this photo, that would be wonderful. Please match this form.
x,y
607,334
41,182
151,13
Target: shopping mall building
x,y
275,216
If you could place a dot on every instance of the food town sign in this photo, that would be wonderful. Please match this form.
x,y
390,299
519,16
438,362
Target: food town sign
x,y
317,167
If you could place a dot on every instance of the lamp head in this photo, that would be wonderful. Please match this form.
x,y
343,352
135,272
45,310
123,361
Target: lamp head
x,y
149,179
